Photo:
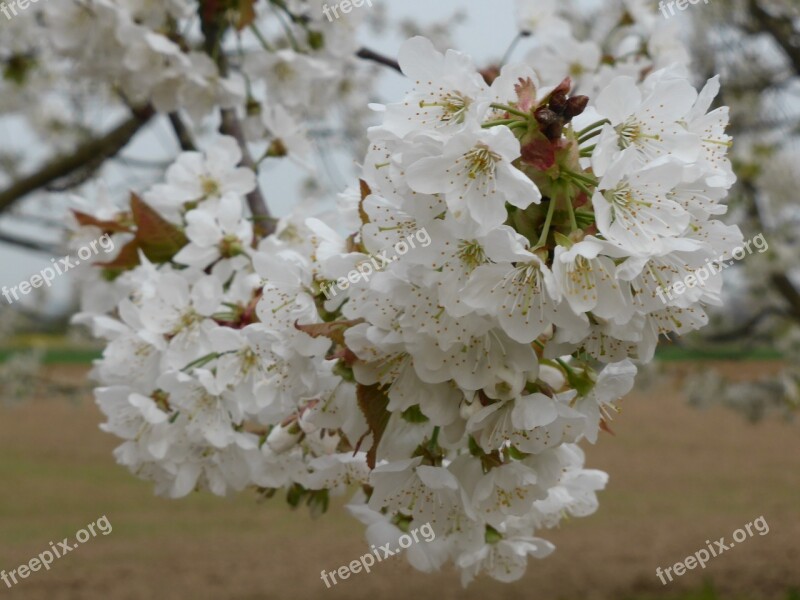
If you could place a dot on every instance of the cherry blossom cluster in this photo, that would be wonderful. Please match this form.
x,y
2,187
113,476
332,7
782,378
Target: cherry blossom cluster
x,y
453,386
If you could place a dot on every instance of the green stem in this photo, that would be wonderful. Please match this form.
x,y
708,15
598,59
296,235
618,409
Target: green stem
x,y
500,122
261,38
594,125
434,438
202,361
546,230
589,136
585,179
511,110
511,48
566,367
582,187
572,221
287,27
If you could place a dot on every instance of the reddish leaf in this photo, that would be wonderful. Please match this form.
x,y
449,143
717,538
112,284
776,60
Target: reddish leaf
x,y
106,226
333,331
159,239
247,14
373,400
127,259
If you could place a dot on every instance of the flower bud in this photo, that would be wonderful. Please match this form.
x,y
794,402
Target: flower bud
x,y
281,439
559,102
575,106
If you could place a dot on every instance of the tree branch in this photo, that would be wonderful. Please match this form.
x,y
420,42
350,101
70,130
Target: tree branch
x,y
747,328
368,54
100,148
255,199
182,132
781,30
28,244
786,288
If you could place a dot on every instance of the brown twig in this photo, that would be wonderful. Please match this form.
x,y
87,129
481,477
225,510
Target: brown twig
x,y
104,147
182,132
368,54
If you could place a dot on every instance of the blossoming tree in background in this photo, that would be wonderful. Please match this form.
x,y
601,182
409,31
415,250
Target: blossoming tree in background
x,y
559,192
754,46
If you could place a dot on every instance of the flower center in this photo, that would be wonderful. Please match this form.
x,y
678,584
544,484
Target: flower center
x,y
209,186
481,161
630,132
284,71
471,254
454,107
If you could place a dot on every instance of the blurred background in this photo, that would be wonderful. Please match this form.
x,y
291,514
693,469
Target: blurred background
x,y
707,443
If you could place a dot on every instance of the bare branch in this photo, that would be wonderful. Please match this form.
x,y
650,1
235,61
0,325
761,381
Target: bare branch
x,y
28,244
182,132
368,54
89,153
255,199
782,31
789,292
748,328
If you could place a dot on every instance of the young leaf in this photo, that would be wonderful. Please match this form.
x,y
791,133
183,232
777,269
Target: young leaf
x,y
159,239
373,400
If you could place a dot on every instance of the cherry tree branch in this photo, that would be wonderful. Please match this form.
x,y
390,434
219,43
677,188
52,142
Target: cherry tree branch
x,y
258,205
781,30
90,152
748,328
789,292
182,132
368,54
13,240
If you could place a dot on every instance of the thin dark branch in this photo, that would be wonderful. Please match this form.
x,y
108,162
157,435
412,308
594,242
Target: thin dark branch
x,y
230,125
789,292
100,148
255,199
368,54
782,31
28,244
748,328
182,132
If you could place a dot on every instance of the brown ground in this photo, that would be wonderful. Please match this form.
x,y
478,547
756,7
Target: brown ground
x,y
678,477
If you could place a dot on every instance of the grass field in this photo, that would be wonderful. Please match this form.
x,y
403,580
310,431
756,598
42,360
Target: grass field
x,y
678,478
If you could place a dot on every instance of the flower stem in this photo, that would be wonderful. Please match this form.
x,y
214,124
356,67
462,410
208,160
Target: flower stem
x,y
591,127
499,122
586,137
512,111
546,229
